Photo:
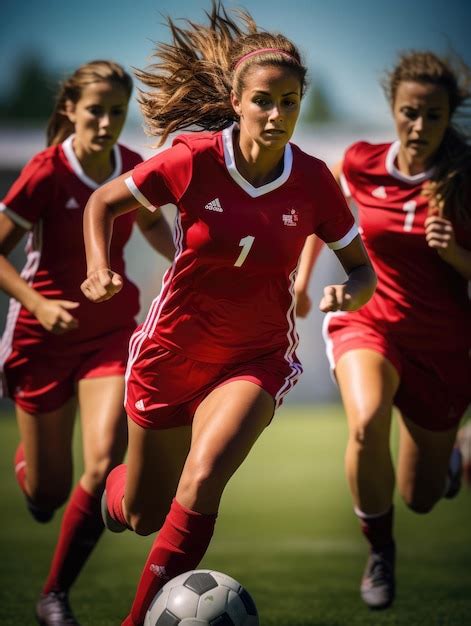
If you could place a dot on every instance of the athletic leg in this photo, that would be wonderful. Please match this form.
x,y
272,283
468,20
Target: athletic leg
x,y
423,463
226,425
44,457
368,382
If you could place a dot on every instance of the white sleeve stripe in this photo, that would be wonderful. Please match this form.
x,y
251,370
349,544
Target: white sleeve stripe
x,y
15,217
346,239
344,185
131,185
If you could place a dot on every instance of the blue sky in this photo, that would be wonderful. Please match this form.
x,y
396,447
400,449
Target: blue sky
x,y
346,44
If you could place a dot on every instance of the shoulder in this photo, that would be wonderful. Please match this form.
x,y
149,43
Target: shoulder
x,y
200,141
363,154
42,167
129,157
302,161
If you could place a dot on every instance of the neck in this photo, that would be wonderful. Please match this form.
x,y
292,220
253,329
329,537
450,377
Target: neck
x,y
258,167
97,165
410,166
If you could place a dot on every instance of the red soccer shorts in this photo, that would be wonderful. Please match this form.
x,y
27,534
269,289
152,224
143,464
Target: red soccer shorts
x,y
39,381
164,389
435,387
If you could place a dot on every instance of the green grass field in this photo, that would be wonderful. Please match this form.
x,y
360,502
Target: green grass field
x,y
286,531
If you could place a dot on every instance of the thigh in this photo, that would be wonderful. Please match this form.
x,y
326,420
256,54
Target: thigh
x,y
154,464
225,427
104,427
47,441
368,382
423,461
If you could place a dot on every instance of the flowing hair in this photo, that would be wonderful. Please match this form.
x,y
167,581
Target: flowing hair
x,y
449,189
59,126
190,82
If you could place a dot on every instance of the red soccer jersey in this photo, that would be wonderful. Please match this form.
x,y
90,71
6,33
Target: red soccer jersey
x,y
420,299
48,199
229,293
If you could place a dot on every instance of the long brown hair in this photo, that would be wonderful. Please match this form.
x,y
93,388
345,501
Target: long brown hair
x,y
59,127
191,80
449,190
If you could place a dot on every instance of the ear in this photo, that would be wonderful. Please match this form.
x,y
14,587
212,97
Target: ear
x,y
236,103
69,111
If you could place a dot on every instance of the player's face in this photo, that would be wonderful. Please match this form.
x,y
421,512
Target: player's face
x,y
98,116
422,114
268,106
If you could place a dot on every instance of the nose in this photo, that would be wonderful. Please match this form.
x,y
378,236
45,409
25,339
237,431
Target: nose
x,y
105,120
275,113
419,123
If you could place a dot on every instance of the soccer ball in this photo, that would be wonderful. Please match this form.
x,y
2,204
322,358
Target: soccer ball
x,y
202,598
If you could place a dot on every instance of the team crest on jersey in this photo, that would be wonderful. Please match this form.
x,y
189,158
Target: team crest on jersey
x,y
291,218
214,205
379,192
72,204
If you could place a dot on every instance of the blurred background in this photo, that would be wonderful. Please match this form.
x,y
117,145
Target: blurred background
x,y
347,47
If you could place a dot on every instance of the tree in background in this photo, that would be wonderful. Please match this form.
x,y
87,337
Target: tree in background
x,y
32,94
318,108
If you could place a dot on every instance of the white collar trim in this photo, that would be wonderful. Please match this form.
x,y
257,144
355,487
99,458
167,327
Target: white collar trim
x,y
254,192
77,167
393,171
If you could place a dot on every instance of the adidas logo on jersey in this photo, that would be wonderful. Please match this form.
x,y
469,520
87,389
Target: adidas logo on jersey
x,y
72,204
379,192
140,405
214,205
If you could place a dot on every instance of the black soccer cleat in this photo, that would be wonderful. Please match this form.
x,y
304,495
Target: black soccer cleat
x,y
378,586
110,522
455,473
53,609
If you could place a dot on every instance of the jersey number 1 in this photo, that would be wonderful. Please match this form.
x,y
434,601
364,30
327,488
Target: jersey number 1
x,y
246,244
409,207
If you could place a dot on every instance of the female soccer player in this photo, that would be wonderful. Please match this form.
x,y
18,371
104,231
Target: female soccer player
x,y
58,349
216,354
409,346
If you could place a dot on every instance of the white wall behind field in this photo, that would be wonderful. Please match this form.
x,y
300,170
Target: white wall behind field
x,y
146,269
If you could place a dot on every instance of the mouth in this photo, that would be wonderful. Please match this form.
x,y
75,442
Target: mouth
x,y
417,143
274,132
103,138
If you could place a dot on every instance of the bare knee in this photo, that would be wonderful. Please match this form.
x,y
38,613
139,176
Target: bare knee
x,y
95,474
370,429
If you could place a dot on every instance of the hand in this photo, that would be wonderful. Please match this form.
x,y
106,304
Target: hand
x,y
54,316
101,285
440,236
303,303
336,298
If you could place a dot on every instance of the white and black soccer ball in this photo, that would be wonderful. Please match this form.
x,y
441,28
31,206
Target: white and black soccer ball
x,y
202,598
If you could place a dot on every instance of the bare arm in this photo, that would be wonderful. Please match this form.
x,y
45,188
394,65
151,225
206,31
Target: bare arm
x,y
53,315
440,236
309,255
157,231
360,284
103,207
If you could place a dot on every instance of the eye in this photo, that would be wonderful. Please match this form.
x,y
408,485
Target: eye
x,y
118,111
411,114
261,102
434,117
95,110
290,103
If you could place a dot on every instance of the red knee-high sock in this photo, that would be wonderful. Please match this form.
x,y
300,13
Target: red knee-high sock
x,y
179,547
378,529
80,530
115,484
20,468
